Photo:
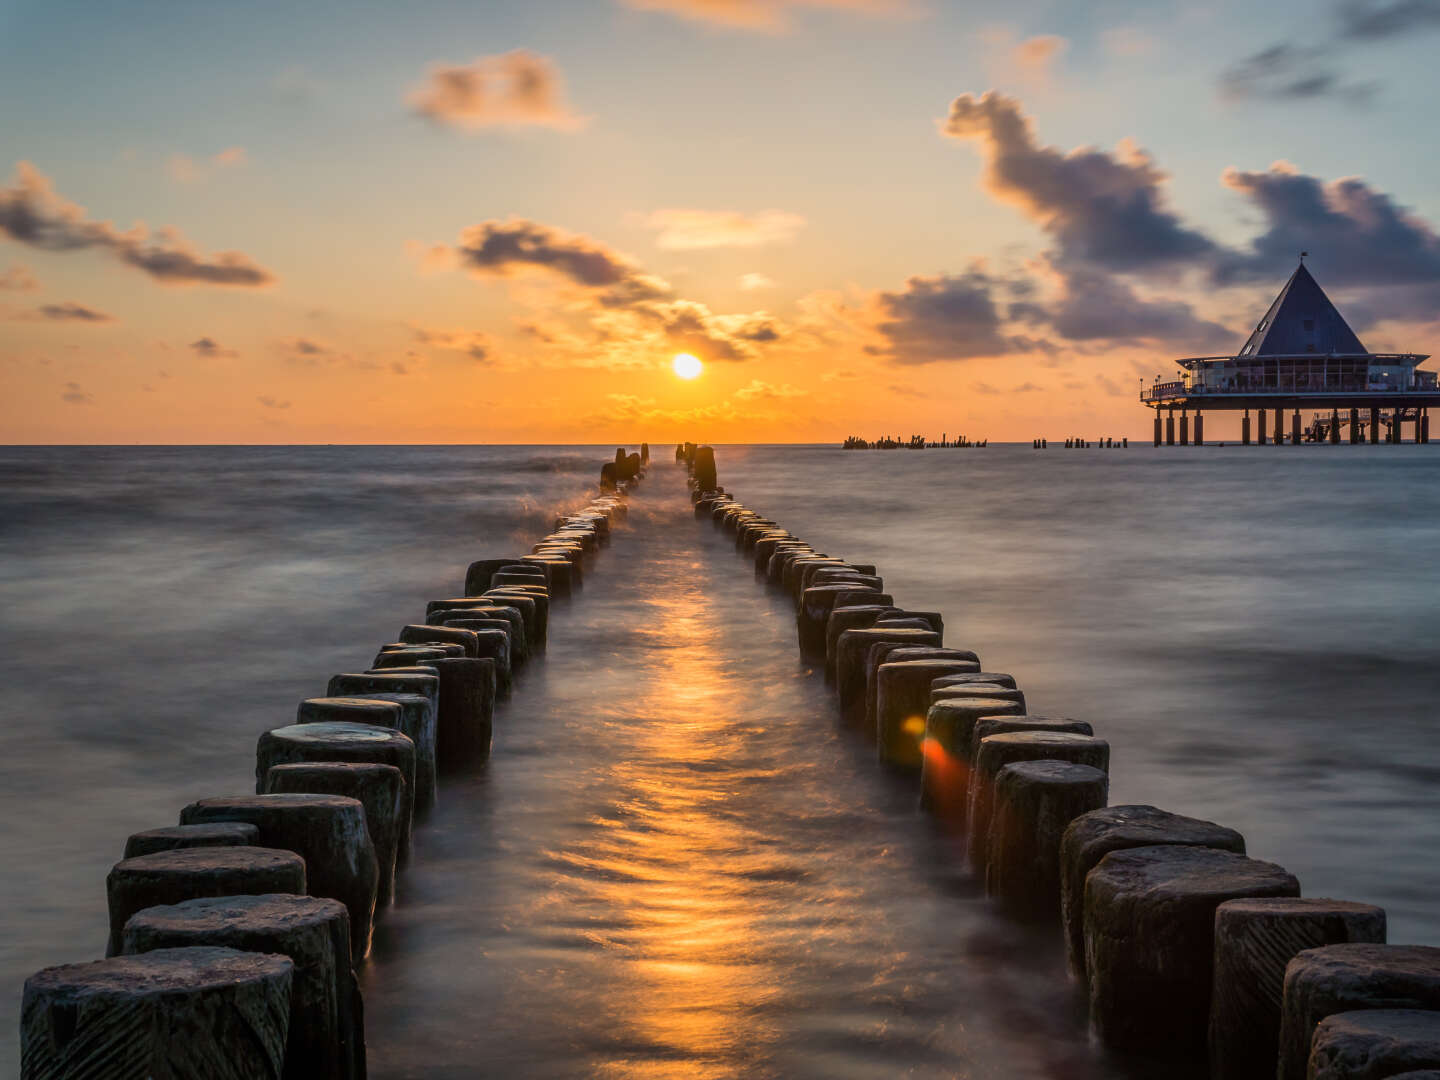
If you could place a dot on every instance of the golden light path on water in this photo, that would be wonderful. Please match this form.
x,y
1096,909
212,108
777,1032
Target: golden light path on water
x,y
677,866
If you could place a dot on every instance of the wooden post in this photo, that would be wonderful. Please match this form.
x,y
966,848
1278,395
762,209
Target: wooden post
x,y
1354,426
1170,427
1425,425
1260,417
1157,427
1374,424
1184,428
1199,428
1334,425
1279,425
1245,429
1295,428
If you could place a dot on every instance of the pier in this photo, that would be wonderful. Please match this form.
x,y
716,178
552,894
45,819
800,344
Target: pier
x,y
702,897
1302,357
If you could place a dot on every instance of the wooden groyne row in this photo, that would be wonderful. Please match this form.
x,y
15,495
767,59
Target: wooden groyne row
x,y
1186,948
234,935
915,442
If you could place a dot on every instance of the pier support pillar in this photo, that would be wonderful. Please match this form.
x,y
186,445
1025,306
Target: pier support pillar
x,y
1260,426
1245,429
1417,427
1354,426
1334,425
1424,425
1295,428
1374,424
1199,428
1184,428
1170,428
1279,426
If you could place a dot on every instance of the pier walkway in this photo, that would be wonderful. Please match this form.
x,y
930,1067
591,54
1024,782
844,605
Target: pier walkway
x,y
677,865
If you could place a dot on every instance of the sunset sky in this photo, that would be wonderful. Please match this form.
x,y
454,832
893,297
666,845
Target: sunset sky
x,y
499,222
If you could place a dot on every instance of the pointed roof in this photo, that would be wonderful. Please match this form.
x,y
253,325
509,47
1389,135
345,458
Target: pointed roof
x,y
1301,320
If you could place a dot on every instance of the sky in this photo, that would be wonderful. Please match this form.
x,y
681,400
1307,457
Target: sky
x,y
499,222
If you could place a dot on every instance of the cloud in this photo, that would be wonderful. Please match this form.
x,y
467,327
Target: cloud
x,y
752,281
1101,208
74,395
905,391
34,214
627,306
211,349
513,89
1037,55
68,311
945,317
1371,20
683,230
503,247
1363,236
185,169
472,343
306,352
839,375
1292,72
1287,71
771,16
18,279
755,390
272,403
1096,306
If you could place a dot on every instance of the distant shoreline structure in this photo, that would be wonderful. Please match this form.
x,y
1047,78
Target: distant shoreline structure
x,y
1301,354
915,442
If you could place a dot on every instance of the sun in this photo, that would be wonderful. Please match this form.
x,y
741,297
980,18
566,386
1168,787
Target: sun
x,y
687,366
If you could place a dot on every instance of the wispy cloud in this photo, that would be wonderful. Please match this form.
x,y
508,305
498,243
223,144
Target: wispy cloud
x,y
67,311
34,214
272,402
514,89
752,281
185,169
73,394
18,279
472,343
211,349
770,16
679,229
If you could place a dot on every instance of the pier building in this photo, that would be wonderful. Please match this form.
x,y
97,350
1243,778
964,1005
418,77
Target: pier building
x,y
1301,355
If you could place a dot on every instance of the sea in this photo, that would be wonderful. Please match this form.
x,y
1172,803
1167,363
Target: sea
x,y
676,863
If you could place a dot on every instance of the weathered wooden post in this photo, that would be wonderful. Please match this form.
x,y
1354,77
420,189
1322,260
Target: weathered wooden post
x,y
1254,941
327,1036
217,1013
379,788
1245,429
1403,1044
175,837
328,831
1149,941
1092,836
168,877
1341,978
1034,803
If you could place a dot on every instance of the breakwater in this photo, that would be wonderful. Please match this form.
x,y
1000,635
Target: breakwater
x,y
235,935
1185,948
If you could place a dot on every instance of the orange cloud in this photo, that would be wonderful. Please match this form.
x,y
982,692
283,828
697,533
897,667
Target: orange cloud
x,y
682,229
1036,55
513,89
765,15
185,169
18,279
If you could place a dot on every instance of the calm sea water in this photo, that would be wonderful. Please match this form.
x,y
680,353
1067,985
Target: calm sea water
x,y
675,864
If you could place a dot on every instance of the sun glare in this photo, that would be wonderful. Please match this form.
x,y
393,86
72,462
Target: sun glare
x,y
687,366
